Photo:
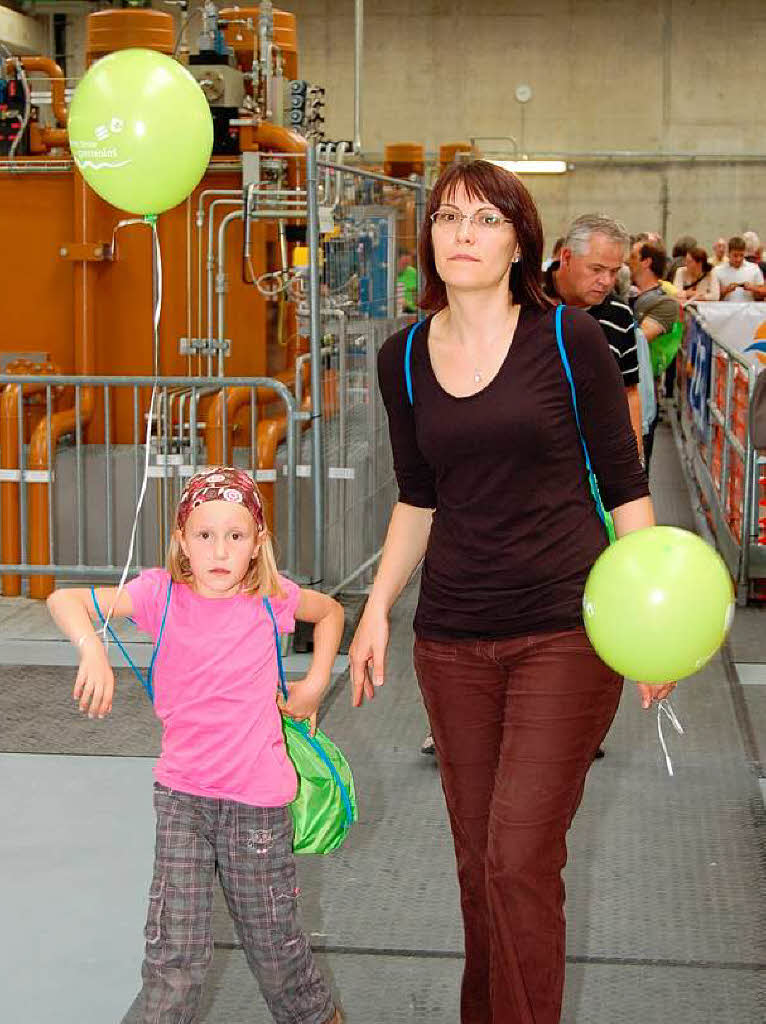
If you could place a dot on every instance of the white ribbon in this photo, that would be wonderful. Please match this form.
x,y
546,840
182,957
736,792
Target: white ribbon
x,y
157,279
664,707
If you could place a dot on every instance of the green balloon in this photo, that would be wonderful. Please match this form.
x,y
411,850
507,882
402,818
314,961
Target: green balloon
x,y
140,131
658,604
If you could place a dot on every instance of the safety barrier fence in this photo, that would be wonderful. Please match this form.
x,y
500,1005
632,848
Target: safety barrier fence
x,y
716,384
73,457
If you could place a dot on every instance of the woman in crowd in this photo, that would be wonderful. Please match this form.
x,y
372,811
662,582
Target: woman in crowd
x,y
696,281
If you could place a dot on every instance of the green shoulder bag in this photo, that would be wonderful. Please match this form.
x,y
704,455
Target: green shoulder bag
x,y
325,806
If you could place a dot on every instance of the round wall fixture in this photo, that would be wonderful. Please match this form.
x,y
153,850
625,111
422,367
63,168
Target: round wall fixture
x,y
523,93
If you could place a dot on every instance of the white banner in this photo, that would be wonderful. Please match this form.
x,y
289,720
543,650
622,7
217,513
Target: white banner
x,y
740,325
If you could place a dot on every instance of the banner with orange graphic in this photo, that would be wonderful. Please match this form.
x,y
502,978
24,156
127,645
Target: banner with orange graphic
x,y
740,325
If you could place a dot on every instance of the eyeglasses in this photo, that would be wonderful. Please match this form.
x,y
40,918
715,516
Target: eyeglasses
x,y
484,219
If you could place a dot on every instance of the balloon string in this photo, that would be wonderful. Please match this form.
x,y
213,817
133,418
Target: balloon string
x,y
151,220
664,707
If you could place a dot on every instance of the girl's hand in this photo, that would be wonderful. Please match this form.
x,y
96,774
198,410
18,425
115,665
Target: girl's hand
x,y
94,686
303,698
367,656
651,692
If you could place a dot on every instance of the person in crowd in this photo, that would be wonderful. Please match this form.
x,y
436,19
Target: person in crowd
x,y
680,249
224,780
555,252
754,250
655,311
407,284
719,251
696,281
584,275
740,281
493,494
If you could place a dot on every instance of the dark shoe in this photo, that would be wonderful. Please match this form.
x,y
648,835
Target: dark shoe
x,y
428,746
599,754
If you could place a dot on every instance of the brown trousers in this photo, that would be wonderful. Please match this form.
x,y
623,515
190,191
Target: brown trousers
x,y
516,724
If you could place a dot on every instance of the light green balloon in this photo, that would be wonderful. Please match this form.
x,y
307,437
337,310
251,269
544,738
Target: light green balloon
x,y
658,604
140,131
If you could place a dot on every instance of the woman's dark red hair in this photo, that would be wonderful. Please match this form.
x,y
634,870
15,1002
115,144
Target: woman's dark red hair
x,y
503,190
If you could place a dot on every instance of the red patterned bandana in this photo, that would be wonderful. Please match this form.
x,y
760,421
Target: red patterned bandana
x,y
222,484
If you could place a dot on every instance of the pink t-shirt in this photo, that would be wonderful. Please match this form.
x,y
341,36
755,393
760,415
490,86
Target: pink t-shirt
x,y
215,681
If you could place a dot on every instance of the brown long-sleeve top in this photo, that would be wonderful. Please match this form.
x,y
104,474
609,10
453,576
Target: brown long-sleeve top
x,y
515,529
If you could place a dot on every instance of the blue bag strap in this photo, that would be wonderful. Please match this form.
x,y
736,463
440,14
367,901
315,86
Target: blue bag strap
x,y
568,372
302,728
280,665
147,682
408,358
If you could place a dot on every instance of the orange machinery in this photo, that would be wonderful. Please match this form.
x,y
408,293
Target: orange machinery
x,y
91,314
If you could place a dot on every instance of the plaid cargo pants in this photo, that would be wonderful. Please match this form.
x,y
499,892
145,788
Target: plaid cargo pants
x,y
251,850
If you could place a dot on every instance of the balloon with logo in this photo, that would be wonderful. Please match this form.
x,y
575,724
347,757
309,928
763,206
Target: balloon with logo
x,y
658,604
140,131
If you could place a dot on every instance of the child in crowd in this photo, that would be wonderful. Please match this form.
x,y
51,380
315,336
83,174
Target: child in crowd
x,y
223,780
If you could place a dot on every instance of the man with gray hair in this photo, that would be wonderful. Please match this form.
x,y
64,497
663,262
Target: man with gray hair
x,y
591,257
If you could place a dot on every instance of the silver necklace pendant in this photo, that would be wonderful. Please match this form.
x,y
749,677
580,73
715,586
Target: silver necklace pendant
x,y
476,377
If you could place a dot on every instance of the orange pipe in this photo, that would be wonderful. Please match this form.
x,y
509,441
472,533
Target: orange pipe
x,y
41,458
85,363
54,138
10,542
58,84
281,140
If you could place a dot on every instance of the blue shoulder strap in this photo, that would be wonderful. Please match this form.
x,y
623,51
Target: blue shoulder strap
x,y
280,665
568,372
147,682
408,358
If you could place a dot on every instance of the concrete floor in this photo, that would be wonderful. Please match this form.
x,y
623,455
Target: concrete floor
x,y
666,883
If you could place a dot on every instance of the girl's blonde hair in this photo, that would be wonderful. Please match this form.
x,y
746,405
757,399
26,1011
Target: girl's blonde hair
x,y
260,580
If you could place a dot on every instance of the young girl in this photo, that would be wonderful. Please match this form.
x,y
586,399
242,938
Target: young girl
x,y
223,780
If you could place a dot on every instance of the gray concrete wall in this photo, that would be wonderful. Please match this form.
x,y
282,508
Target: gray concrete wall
x,y
674,75
684,76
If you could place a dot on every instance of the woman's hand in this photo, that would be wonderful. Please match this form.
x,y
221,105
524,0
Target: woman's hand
x,y
303,699
94,686
651,692
367,655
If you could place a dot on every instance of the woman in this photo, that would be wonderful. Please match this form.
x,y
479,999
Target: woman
x,y
696,281
494,494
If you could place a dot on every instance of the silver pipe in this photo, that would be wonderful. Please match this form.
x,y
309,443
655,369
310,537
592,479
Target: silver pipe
x,y
265,37
221,282
358,46
211,266
317,452
372,175
420,207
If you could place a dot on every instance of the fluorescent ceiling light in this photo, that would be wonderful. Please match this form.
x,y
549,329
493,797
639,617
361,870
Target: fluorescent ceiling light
x,y
532,166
